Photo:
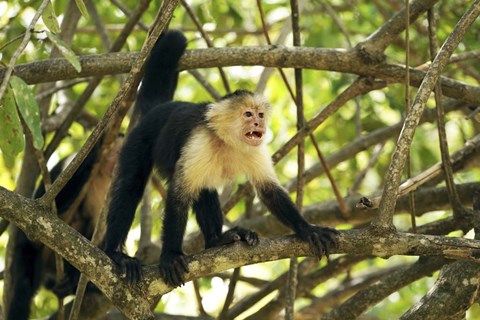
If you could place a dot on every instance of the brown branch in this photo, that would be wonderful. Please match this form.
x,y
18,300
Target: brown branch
x,y
41,225
363,143
207,39
451,296
38,222
442,134
336,60
366,298
373,47
387,205
453,292
352,241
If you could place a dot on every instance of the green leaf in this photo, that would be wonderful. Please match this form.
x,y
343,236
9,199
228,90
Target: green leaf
x,y
12,141
65,50
50,19
82,8
29,109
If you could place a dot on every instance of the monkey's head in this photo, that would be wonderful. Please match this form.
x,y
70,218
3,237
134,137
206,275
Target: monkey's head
x,y
240,118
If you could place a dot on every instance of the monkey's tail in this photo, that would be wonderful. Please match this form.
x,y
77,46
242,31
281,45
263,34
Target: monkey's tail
x,y
161,74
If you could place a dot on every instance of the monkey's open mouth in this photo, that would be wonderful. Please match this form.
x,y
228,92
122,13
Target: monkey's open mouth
x,y
254,135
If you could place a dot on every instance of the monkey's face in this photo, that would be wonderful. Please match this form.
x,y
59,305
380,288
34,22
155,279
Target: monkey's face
x,y
240,120
253,120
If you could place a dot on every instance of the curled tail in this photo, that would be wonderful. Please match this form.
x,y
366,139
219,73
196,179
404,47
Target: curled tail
x,y
161,74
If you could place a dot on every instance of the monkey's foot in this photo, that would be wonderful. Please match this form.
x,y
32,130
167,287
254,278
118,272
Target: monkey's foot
x,y
131,268
173,267
320,239
238,234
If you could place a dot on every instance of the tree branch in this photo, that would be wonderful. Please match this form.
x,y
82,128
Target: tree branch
x,y
40,224
387,205
336,60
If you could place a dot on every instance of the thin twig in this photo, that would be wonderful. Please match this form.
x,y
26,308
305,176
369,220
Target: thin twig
x,y
383,221
291,289
99,25
128,13
201,79
341,202
198,298
207,39
457,159
377,150
442,135
407,108
230,294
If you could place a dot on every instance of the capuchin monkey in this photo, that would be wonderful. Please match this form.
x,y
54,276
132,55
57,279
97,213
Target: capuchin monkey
x,y
197,148
32,263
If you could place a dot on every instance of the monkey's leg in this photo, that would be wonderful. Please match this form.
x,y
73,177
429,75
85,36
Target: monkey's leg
x,y
173,265
209,216
210,219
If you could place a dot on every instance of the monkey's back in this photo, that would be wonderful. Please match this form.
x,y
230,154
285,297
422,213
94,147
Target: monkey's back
x,y
169,125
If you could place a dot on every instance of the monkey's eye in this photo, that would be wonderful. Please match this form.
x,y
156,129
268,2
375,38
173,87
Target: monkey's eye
x,y
261,115
248,114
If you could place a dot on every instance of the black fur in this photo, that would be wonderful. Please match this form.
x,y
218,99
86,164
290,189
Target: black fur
x,y
161,76
278,202
157,141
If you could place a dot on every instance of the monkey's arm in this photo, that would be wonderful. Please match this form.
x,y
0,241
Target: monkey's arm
x,y
320,239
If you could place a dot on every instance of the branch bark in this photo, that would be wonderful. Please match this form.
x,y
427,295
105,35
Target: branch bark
x,y
39,224
383,221
336,60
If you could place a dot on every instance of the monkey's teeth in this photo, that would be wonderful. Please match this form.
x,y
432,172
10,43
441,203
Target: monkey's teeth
x,y
252,135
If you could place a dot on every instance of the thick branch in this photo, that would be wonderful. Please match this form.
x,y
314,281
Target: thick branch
x,y
368,297
337,60
374,46
40,224
455,290
352,241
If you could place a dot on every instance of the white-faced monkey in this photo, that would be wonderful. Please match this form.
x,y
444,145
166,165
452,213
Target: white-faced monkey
x,y
196,147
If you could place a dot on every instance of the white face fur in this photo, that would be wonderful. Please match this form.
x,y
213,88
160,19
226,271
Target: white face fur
x,y
240,120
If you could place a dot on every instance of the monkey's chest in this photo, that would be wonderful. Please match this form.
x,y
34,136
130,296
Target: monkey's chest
x,y
206,162
212,170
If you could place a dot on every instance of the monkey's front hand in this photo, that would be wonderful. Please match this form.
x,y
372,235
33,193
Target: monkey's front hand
x,y
320,239
173,266
129,267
